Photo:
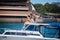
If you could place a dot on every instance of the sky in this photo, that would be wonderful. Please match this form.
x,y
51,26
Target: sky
x,y
44,1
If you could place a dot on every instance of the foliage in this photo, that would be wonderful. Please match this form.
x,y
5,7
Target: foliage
x,y
50,8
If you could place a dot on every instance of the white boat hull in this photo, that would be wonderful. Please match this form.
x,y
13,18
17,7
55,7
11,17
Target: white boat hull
x,y
19,38
24,38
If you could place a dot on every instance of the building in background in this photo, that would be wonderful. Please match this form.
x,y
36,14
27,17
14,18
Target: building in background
x,y
15,10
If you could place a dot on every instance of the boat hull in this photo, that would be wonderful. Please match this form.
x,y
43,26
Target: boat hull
x,y
25,38
19,38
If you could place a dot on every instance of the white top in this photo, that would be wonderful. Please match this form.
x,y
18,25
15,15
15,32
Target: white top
x,y
32,34
23,31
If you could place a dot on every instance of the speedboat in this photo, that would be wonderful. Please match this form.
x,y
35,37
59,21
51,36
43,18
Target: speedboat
x,y
20,35
29,32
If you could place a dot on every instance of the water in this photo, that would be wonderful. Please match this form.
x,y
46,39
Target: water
x,y
18,26
54,24
14,26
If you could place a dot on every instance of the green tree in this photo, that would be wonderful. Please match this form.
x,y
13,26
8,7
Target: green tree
x,y
40,8
50,8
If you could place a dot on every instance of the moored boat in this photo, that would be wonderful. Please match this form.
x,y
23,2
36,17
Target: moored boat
x,y
20,35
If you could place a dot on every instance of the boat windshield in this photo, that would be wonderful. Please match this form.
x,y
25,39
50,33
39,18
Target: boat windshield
x,y
32,28
20,33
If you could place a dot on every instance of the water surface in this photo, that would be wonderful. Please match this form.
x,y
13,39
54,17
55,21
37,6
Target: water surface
x,y
15,26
